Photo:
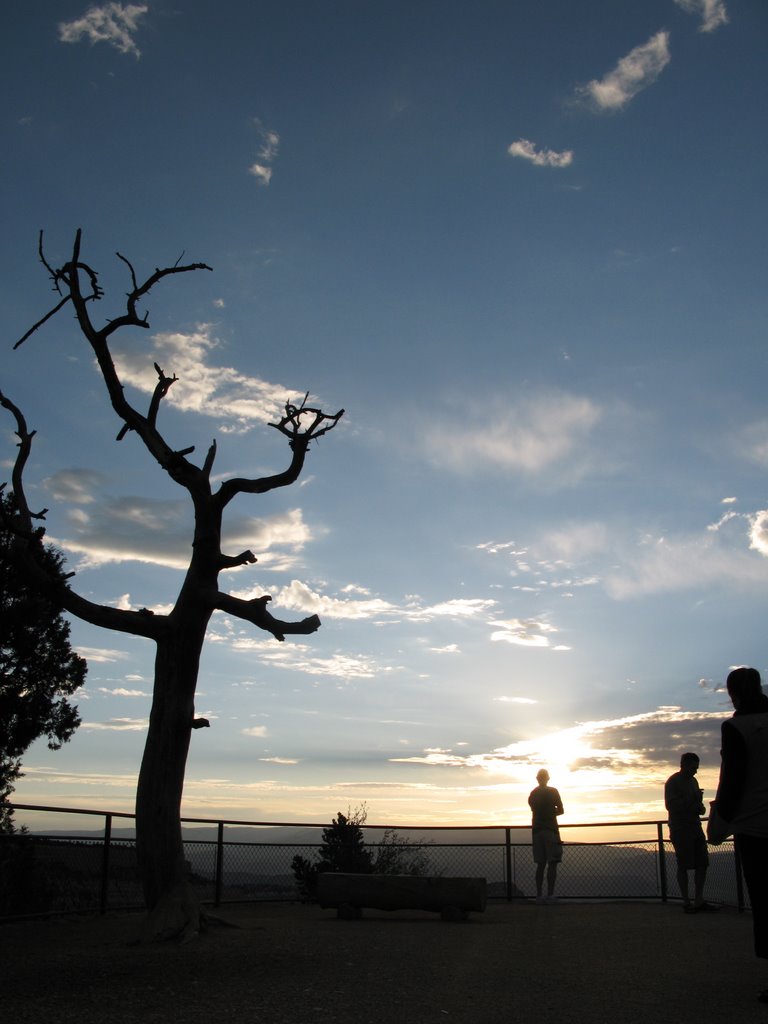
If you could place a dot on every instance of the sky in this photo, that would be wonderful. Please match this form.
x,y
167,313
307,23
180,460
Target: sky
x,y
522,245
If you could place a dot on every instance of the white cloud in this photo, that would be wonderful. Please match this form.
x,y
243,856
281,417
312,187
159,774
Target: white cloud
x,y
691,561
524,632
713,13
153,532
122,692
112,23
529,435
752,443
297,596
540,157
635,72
100,654
74,485
269,142
255,730
758,532
598,755
117,725
628,564
239,402
261,172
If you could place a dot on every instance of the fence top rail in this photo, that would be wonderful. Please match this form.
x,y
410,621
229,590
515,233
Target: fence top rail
x,y
324,824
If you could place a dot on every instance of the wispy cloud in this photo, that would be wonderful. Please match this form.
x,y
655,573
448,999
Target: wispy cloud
x,y
112,23
100,654
74,485
154,532
527,150
628,563
635,72
525,633
237,401
713,13
298,596
120,691
529,435
117,725
627,752
269,143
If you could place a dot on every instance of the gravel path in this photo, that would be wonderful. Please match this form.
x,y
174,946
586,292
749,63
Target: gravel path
x,y
617,963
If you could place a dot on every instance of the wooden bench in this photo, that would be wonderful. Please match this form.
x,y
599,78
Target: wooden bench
x,y
452,898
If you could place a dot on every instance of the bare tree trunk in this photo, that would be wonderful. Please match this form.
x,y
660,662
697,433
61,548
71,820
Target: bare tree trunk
x,y
173,910
179,636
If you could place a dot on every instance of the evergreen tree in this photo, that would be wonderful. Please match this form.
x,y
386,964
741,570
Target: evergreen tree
x,y
38,668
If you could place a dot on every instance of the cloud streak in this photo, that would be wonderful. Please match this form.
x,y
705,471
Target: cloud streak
x,y
633,73
112,23
527,150
530,435
713,13
238,401
269,145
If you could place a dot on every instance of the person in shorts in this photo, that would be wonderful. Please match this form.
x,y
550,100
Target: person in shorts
x,y
685,805
546,805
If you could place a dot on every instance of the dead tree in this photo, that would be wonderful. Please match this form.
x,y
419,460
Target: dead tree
x,y
179,635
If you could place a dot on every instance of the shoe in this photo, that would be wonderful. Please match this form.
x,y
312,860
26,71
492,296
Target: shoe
x,y
706,908
763,997
551,899
541,899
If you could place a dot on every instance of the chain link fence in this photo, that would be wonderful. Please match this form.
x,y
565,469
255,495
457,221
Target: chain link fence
x,y
242,861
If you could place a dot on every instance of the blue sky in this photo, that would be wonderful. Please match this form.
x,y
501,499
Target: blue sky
x,y
523,246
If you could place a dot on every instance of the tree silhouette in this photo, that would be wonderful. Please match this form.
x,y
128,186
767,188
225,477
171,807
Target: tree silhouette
x,y
179,635
38,668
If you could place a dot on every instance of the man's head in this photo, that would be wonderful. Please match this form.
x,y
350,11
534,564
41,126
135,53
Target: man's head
x,y
542,776
689,764
743,684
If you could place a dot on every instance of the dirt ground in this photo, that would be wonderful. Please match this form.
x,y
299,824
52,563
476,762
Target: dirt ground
x,y
617,963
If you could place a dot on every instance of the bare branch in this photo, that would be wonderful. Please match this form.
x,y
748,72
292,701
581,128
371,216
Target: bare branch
x,y
233,561
292,425
162,388
40,323
209,459
255,611
28,550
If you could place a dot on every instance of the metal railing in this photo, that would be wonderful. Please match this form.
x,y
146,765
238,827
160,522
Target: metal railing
x,y
231,860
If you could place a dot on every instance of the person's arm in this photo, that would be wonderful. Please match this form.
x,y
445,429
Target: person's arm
x,y
733,771
674,800
558,803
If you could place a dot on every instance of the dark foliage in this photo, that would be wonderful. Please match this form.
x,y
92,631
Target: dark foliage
x,y
38,668
343,849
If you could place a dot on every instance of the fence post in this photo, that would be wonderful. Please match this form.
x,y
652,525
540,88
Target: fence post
x,y
219,863
662,862
104,896
508,861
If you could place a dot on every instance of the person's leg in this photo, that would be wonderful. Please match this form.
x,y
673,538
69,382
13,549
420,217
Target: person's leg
x,y
539,878
699,876
753,852
682,883
551,877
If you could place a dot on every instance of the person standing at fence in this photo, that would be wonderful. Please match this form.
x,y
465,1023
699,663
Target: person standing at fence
x,y
742,793
546,805
684,801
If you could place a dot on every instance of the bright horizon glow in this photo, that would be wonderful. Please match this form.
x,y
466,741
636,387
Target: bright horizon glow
x,y
523,247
